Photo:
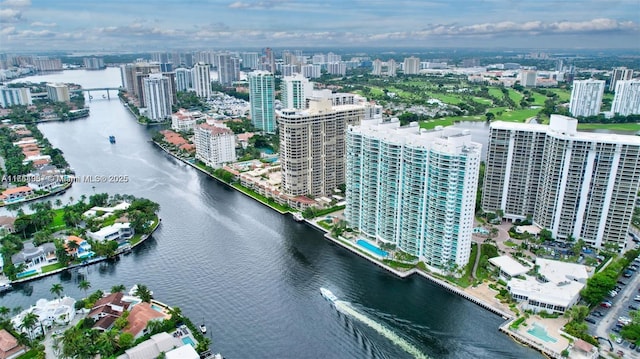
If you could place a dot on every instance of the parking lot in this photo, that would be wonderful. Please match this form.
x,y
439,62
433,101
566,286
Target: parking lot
x,y
610,316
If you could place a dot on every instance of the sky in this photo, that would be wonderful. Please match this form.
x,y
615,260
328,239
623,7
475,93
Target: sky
x,y
143,25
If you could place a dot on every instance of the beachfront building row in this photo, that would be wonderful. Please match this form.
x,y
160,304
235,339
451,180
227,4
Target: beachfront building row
x,y
312,146
414,188
215,144
577,185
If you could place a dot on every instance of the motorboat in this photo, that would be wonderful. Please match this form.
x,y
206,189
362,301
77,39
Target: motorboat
x,y
203,328
327,294
297,216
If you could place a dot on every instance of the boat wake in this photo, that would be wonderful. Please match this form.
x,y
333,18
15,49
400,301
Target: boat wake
x,y
346,308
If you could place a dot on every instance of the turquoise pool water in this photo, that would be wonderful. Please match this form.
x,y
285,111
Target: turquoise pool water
x,y
371,248
156,308
188,340
27,273
541,333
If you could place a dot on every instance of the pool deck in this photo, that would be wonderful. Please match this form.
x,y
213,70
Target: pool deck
x,y
553,327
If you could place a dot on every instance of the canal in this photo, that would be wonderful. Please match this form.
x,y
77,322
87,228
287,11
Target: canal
x,y
251,274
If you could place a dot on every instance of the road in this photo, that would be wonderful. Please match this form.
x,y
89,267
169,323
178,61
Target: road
x,y
620,308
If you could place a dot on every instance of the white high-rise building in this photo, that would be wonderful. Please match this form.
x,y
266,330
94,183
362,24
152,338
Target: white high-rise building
x,y
295,91
262,100
415,189
250,60
158,97
411,65
11,96
202,80
618,74
312,146
228,68
215,145
627,98
184,79
528,78
586,97
392,66
578,185
337,68
58,92
377,67
312,71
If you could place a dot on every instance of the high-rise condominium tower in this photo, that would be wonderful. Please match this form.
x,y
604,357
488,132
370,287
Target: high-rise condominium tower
x,y
578,185
262,98
312,146
586,97
415,189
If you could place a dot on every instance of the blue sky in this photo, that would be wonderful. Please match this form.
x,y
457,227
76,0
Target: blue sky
x,y
121,25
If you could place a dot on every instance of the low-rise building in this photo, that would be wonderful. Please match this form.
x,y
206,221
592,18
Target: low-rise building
x,y
16,194
6,224
115,232
556,287
58,311
153,347
139,318
183,120
508,267
105,211
107,309
81,249
32,256
9,347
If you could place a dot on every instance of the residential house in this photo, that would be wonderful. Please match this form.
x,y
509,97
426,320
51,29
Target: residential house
x,y
9,347
58,311
32,256
105,211
115,232
139,318
183,352
153,347
16,194
6,223
81,250
107,309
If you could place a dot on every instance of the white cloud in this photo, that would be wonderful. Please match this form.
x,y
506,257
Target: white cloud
x,y
10,15
16,3
256,4
44,24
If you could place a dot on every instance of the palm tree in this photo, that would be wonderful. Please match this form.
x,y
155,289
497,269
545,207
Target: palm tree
x,y
84,285
143,292
57,289
29,322
58,203
118,288
4,311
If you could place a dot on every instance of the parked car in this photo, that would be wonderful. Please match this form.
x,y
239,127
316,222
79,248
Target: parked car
x,y
624,320
607,304
632,346
634,307
637,298
619,340
616,329
590,320
598,314
621,282
613,293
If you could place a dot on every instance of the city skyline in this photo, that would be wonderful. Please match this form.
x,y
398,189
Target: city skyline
x,y
144,25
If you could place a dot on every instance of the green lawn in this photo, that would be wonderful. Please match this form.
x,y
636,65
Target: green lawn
x,y
58,219
515,96
538,99
136,238
483,100
631,127
260,197
563,95
496,92
517,115
446,98
52,267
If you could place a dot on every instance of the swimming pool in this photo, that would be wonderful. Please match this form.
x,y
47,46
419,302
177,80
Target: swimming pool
x,y
371,248
539,332
27,273
188,340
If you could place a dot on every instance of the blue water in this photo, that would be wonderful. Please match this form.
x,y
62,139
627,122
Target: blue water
x,y
27,273
188,340
541,333
266,150
371,248
156,308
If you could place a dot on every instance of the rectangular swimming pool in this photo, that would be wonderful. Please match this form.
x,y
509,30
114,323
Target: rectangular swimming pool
x,y
27,273
188,340
540,332
371,248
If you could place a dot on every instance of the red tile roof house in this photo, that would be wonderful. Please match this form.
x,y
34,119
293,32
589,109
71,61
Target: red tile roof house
x,y
9,347
139,318
12,194
106,310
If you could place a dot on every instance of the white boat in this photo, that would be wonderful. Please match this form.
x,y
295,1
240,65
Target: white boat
x,y
326,293
203,328
4,287
297,216
134,289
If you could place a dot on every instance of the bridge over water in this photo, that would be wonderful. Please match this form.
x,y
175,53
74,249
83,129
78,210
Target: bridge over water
x,y
108,89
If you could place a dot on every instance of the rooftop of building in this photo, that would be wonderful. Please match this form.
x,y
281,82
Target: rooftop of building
x,y
509,265
558,272
561,294
566,127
